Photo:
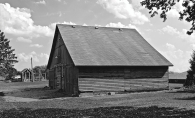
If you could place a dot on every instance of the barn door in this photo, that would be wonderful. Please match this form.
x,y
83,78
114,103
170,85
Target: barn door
x,y
70,81
59,77
51,78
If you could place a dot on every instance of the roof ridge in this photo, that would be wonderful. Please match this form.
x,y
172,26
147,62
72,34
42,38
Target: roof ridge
x,y
96,26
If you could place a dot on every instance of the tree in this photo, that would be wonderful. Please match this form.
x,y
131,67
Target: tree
x,y
191,72
39,70
163,6
7,57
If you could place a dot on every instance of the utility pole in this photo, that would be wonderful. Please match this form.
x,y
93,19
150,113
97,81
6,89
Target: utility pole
x,y
32,70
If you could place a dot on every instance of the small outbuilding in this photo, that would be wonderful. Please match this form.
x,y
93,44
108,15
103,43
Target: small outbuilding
x,y
26,75
89,56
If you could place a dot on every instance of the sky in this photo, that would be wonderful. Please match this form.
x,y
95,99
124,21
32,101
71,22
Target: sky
x,y
30,26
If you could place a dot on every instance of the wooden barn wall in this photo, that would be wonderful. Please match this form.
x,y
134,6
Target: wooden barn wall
x,y
63,73
122,78
124,72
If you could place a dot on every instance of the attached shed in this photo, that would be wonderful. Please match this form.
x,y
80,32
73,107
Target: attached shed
x,y
81,54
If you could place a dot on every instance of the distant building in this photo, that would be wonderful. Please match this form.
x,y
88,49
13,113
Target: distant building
x,y
26,75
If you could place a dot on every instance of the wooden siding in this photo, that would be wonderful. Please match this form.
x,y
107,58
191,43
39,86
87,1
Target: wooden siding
x,y
97,84
123,72
122,78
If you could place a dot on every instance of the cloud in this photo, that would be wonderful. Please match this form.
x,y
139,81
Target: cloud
x,y
179,58
170,46
120,25
36,57
41,2
170,30
43,55
193,46
180,34
18,21
36,45
85,24
173,13
53,25
21,39
97,25
27,57
124,10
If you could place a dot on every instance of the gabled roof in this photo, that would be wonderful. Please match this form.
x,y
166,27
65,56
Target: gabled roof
x,y
105,46
26,69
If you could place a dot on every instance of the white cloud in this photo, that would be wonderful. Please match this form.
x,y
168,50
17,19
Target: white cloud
x,y
193,46
21,39
18,21
44,55
179,58
41,2
173,13
36,57
170,30
170,46
120,25
180,34
98,25
123,9
53,25
27,57
85,24
36,45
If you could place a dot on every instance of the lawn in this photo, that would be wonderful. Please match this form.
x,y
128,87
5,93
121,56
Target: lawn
x,y
35,100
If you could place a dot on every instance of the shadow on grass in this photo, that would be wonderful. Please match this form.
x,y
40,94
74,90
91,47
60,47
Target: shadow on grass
x,y
37,93
115,112
183,91
186,98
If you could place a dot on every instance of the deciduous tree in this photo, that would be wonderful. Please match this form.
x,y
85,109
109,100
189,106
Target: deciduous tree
x,y
163,6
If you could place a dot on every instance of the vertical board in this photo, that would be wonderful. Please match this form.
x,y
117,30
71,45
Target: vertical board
x,y
67,80
62,79
70,80
51,78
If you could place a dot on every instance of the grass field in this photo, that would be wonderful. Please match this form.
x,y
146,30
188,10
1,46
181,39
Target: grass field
x,y
33,100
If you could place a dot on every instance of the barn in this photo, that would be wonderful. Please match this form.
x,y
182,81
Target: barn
x,y
102,58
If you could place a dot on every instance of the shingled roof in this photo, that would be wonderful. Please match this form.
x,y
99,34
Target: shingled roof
x,y
106,46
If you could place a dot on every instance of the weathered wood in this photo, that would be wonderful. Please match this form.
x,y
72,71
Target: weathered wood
x,y
95,84
51,78
123,72
73,78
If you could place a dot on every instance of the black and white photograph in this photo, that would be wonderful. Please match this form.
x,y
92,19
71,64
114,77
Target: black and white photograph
x,y
97,58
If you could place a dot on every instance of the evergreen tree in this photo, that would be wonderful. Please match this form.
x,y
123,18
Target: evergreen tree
x,y
7,57
191,72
